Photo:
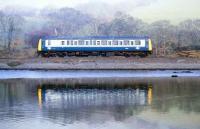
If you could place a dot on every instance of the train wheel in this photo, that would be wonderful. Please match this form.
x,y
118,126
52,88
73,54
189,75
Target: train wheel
x,y
44,54
38,54
127,55
108,54
143,55
60,54
103,54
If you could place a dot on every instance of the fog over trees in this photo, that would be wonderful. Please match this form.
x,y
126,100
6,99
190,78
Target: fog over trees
x,y
22,30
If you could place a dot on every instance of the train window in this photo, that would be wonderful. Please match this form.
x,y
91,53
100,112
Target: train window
x,y
128,43
132,42
112,43
115,43
62,42
71,43
75,42
137,42
120,42
104,42
68,42
81,43
109,42
98,42
87,42
94,42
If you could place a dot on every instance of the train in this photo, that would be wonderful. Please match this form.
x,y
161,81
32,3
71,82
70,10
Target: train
x,y
62,46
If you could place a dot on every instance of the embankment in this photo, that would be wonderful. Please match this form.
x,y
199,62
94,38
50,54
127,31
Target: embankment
x,y
101,63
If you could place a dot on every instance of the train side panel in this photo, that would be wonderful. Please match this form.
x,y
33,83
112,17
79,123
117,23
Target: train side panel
x,y
87,45
57,46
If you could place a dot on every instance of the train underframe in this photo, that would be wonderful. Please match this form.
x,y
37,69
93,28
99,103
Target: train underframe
x,y
97,53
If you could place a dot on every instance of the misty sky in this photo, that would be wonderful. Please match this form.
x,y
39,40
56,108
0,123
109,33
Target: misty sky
x,y
148,10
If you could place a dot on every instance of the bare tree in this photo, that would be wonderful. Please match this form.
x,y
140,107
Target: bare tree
x,y
121,25
10,28
3,29
163,35
189,33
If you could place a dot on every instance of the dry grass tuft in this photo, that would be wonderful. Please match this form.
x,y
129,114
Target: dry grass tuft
x,y
190,54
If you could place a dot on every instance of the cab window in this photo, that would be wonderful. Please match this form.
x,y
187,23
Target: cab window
x,y
49,42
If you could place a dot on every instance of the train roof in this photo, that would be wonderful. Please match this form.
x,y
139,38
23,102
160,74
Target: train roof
x,y
93,37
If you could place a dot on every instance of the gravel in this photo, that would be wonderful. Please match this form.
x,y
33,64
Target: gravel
x,y
103,63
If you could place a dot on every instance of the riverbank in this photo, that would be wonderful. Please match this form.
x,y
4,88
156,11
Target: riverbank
x,y
100,63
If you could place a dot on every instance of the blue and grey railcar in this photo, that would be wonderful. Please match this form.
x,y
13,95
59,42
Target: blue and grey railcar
x,y
66,46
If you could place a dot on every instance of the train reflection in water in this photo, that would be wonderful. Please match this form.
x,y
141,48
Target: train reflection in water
x,y
70,98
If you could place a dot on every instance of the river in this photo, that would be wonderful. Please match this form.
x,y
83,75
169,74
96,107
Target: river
x,y
100,103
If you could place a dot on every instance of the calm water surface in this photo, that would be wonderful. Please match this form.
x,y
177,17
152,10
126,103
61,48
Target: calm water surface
x,y
116,103
63,74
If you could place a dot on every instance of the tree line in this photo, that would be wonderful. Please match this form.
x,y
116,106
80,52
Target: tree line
x,y
19,31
